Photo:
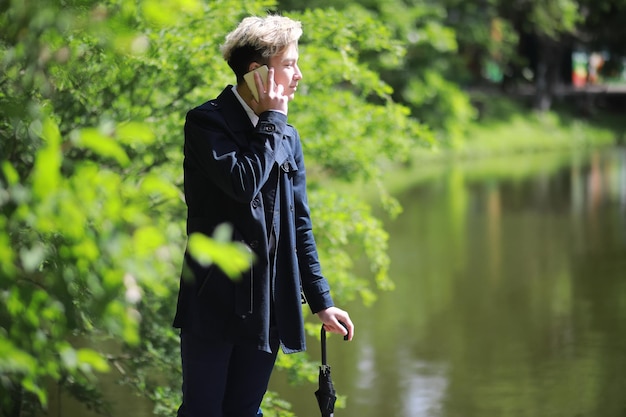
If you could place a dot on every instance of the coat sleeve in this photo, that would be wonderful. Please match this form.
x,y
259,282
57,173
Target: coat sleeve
x,y
239,166
314,285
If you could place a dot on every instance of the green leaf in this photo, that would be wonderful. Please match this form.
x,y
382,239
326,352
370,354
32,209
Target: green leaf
x,y
223,233
233,258
10,173
32,257
102,145
161,13
69,357
93,359
153,184
46,175
134,132
50,133
14,360
146,239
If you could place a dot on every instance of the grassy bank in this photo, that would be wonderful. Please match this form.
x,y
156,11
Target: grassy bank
x,y
508,126
511,140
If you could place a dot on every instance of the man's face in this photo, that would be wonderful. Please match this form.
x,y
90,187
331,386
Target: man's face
x,y
286,70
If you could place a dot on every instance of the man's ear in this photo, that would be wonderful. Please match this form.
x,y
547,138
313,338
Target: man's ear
x,y
253,65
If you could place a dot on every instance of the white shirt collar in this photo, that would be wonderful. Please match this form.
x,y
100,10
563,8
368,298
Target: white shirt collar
x,y
253,117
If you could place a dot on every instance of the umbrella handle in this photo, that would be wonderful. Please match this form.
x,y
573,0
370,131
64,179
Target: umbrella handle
x,y
323,338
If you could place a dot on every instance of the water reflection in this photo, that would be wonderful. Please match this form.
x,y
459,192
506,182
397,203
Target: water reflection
x,y
425,386
510,299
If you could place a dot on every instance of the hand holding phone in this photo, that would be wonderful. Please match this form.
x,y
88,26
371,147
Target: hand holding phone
x,y
249,78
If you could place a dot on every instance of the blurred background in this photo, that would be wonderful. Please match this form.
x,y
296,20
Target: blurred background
x,y
467,181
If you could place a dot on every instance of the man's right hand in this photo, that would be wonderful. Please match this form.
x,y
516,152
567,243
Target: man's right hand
x,y
271,97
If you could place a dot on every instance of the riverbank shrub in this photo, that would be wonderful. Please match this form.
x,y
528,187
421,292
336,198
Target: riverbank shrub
x,y
91,209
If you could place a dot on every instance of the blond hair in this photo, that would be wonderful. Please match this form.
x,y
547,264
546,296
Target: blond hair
x,y
258,39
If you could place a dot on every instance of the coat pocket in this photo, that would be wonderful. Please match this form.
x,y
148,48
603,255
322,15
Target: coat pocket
x,y
231,294
217,290
213,289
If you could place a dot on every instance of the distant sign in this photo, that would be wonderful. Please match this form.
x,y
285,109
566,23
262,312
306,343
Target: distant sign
x,y
597,68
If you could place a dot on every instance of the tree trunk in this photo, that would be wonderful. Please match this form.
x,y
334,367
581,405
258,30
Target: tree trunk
x,y
546,73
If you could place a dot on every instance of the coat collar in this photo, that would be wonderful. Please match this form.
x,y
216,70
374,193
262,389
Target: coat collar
x,y
234,114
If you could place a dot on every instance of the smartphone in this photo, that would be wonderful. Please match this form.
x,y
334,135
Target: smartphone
x,y
249,77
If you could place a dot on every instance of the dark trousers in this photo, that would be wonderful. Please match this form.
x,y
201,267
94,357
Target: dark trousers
x,y
221,379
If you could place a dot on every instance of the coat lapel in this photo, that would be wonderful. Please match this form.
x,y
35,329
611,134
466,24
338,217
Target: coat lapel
x,y
234,114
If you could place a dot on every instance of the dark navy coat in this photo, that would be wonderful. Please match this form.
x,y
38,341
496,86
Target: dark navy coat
x,y
227,163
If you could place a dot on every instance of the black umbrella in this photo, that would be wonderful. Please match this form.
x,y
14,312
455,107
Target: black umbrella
x,y
326,394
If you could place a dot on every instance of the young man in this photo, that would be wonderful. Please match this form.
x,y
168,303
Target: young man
x,y
244,166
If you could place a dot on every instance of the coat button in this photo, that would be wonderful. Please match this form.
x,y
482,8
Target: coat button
x,y
255,203
286,166
269,128
254,244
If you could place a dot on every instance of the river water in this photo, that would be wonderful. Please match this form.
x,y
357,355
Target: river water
x,y
510,298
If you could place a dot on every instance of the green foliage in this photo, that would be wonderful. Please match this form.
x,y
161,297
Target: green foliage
x,y
221,251
555,17
345,112
89,222
508,127
91,209
422,44
347,221
426,79
488,38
